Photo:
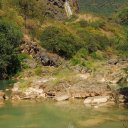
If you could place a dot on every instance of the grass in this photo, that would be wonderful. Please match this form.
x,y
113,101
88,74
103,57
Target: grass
x,y
23,84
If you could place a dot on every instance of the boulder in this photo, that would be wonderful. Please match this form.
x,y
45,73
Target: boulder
x,y
96,100
32,93
113,61
62,97
28,93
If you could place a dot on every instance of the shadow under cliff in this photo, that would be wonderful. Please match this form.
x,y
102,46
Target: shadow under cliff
x,y
124,92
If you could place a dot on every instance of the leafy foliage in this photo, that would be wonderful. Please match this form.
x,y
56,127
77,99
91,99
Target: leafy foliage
x,y
94,41
122,16
59,41
10,36
101,7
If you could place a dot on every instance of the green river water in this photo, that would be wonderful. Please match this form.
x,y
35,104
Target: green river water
x,y
49,114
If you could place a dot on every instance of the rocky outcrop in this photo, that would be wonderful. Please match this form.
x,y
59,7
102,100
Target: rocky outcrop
x,y
62,97
38,53
107,81
96,100
56,9
27,93
122,95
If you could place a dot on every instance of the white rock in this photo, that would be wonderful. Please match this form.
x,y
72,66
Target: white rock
x,y
96,100
62,97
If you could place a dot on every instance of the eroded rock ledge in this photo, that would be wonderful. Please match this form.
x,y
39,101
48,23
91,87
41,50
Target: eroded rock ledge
x,y
38,53
91,90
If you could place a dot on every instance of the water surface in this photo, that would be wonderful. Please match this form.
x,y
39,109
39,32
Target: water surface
x,y
68,114
48,114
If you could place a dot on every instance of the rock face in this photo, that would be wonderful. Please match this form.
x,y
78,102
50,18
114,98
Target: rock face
x,y
56,8
38,53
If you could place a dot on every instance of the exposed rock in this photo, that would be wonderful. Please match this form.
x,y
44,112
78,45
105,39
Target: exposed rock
x,y
96,100
62,97
85,89
113,61
38,53
31,92
122,95
99,85
55,8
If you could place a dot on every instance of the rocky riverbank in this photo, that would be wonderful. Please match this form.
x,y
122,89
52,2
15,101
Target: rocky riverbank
x,y
99,87
107,84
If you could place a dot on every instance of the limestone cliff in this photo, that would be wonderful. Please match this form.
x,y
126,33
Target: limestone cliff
x,y
61,9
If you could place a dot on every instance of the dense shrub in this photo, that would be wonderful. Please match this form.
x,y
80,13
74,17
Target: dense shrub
x,y
97,55
94,42
10,37
80,57
83,23
97,24
59,41
11,31
122,16
121,43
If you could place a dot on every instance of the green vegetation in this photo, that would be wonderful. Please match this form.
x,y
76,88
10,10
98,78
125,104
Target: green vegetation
x,y
38,71
122,16
81,40
101,7
10,36
59,41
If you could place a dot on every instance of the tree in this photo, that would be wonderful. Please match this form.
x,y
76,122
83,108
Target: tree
x,y
10,37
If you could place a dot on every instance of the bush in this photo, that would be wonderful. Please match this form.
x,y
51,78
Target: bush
x,y
94,42
97,24
83,23
80,57
38,71
11,31
59,41
122,16
121,43
10,37
23,56
97,55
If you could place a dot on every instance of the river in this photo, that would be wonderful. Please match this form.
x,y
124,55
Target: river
x,y
68,114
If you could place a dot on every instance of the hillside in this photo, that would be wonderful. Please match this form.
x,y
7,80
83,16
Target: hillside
x,y
102,7
81,39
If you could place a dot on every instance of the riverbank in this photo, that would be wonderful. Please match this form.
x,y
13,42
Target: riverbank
x,y
107,84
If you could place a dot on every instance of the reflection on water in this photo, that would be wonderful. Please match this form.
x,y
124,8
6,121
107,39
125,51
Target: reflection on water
x,y
4,84
66,115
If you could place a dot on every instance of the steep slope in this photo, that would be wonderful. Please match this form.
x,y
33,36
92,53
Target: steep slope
x,y
61,9
103,7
